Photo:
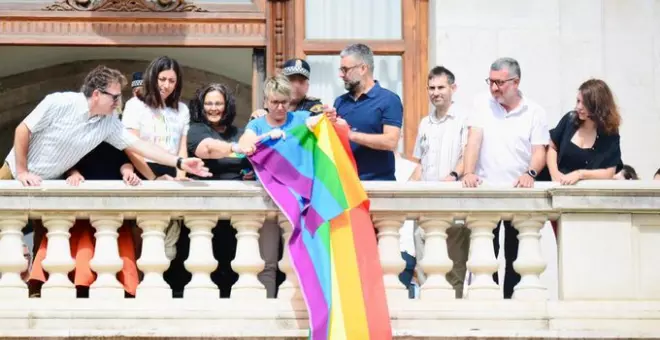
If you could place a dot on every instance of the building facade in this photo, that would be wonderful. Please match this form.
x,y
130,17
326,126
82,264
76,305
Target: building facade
x,y
606,282
558,43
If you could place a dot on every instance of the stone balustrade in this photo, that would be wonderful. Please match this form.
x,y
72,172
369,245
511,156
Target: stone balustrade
x,y
608,250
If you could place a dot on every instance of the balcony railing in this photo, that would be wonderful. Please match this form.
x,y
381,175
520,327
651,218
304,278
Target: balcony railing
x,y
608,261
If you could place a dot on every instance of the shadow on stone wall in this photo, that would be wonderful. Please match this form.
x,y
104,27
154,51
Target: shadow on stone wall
x,y
20,93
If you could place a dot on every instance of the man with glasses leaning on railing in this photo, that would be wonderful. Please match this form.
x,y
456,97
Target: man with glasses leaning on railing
x,y
66,126
507,139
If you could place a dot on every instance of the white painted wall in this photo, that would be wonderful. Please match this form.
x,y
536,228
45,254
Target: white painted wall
x,y
560,44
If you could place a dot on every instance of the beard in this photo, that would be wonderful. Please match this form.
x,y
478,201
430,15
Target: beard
x,y
352,85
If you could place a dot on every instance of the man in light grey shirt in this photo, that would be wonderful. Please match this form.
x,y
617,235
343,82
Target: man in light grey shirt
x,y
441,138
66,126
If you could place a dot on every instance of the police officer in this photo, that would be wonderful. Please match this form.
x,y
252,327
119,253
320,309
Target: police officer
x,y
297,70
136,83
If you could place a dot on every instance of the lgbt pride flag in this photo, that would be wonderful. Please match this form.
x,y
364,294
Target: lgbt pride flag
x,y
311,176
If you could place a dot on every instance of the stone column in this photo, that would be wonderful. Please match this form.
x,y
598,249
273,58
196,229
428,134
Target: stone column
x,y
58,262
200,262
289,290
247,263
12,261
153,261
436,263
482,262
106,262
388,226
530,263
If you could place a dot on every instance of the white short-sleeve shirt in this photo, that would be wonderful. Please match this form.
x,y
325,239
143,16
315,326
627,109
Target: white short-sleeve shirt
x,y
439,144
63,132
164,127
508,137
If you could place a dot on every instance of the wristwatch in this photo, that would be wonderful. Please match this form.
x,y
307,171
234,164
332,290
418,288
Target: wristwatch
x,y
178,163
532,173
454,174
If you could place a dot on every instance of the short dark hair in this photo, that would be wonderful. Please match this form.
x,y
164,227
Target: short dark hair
x,y
196,105
150,94
441,70
629,172
100,78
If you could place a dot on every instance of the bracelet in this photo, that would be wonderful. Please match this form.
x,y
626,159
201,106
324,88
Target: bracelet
x,y
234,148
454,174
178,163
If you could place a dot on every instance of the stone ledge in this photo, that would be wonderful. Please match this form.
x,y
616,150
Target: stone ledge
x,y
411,319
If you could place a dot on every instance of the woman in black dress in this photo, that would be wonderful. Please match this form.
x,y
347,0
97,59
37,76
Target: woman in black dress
x,y
585,143
213,137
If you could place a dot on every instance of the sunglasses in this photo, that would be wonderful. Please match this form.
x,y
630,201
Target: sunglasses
x,y
115,97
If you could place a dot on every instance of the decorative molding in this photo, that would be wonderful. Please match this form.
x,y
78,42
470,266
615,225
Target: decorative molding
x,y
125,6
279,16
154,33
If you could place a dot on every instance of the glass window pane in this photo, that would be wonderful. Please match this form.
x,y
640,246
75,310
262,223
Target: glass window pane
x,y
325,83
353,19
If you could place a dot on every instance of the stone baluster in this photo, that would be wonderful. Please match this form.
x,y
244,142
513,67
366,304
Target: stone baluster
x,y
530,263
482,262
153,262
289,290
436,262
200,262
12,261
106,262
58,262
388,226
247,263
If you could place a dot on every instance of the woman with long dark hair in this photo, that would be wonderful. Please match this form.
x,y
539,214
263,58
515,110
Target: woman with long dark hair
x,y
155,114
585,143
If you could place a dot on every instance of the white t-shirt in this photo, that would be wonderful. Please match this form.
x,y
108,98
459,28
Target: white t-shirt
x,y
439,144
163,127
508,137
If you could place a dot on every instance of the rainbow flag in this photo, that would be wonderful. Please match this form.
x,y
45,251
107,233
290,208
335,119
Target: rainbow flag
x,y
311,176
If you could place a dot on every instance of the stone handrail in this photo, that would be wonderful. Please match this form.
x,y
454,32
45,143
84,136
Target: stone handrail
x,y
608,247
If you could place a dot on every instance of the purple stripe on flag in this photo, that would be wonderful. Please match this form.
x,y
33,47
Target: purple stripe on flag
x,y
317,307
312,290
274,163
284,199
312,219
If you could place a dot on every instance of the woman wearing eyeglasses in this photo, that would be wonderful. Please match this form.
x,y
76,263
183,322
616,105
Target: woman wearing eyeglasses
x,y
585,143
213,135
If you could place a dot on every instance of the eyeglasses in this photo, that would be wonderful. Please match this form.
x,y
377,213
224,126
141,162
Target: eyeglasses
x,y
216,104
277,103
115,97
345,70
498,82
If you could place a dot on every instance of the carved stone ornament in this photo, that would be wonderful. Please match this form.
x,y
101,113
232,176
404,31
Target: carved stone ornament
x,y
125,6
